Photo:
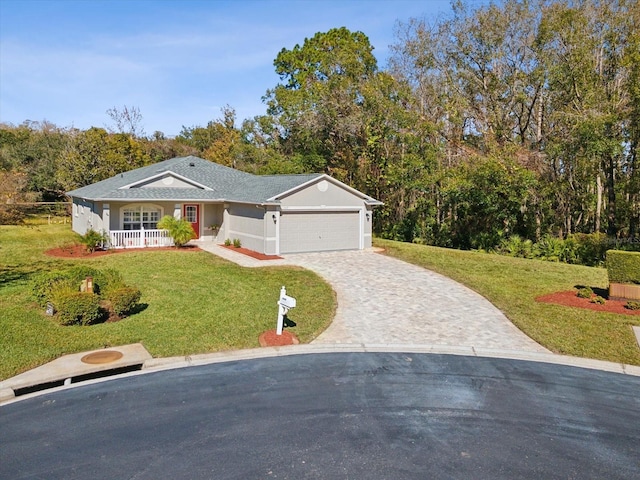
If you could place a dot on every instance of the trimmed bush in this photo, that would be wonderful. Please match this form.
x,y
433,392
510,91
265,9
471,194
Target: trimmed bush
x,y
77,308
123,300
632,306
585,292
623,267
73,307
237,243
43,283
599,300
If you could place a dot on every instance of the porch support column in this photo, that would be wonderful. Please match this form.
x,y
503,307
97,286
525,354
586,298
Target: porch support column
x,y
226,220
106,222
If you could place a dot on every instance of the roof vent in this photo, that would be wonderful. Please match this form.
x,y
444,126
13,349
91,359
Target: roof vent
x,y
191,164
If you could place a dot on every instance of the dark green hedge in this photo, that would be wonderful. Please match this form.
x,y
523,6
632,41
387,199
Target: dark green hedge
x,y
62,289
623,267
124,300
78,308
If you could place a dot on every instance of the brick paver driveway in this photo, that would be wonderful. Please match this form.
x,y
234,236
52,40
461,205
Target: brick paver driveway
x,y
382,300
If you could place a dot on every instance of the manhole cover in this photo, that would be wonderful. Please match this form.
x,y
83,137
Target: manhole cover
x,y
106,356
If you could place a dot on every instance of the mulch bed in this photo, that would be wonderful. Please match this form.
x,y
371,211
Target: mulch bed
x,y
251,253
271,339
80,251
569,299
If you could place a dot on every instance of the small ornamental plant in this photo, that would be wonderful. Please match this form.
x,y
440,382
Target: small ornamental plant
x,y
585,292
227,243
632,305
598,300
237,243
93,240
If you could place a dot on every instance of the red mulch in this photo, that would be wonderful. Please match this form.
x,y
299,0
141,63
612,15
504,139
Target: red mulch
x,y
80,251
251,253
569,299
271,339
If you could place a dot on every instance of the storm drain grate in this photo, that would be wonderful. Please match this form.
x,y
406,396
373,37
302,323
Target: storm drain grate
x,y
77,379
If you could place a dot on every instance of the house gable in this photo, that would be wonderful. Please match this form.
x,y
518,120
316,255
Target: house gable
x,y
166,180
323,191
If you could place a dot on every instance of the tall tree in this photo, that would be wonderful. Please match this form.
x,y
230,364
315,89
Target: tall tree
x,y
95,155
126,120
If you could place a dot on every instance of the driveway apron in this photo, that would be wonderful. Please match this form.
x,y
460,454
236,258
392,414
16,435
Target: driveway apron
x,y
382,300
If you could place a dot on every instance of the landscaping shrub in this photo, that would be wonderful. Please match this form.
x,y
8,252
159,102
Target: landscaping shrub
x,y
632,305
227,242
550,248
237,243
516,246
44,282
73,307
591,249
599,300
585,292
76,308
179,229
92,239
623,267
123,300
107,280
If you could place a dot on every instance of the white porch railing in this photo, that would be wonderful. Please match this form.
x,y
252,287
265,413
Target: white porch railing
x,y
139,238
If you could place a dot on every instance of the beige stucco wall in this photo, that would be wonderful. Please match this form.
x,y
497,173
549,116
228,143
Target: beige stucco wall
x,y
167,181
212,214
246,223
86,215
323,193
115,211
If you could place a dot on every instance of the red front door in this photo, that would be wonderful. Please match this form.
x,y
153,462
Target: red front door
x,y
191,213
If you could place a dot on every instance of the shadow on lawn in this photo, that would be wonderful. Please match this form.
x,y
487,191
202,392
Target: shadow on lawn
x,y
19,273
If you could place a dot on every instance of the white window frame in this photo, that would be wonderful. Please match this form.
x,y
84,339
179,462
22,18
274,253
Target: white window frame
x,y
141,208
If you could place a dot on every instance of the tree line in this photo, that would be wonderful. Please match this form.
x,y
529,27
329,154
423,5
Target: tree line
x,y
514,119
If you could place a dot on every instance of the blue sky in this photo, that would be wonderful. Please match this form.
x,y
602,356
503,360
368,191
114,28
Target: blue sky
x,y
179,62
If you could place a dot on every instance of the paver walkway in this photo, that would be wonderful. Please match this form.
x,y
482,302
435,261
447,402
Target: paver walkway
x,y
382,300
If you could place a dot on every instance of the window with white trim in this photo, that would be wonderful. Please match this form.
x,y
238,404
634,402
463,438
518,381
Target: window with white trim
x,y
135,217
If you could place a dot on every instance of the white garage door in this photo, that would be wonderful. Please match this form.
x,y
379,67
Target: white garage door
x,y
319,231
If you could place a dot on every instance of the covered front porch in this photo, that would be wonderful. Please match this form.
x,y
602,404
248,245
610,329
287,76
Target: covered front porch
x,y
139,238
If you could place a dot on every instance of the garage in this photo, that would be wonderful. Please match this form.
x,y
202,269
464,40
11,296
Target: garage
x,y
319,231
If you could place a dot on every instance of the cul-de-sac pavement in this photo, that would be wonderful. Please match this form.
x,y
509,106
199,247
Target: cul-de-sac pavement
x,y
417,377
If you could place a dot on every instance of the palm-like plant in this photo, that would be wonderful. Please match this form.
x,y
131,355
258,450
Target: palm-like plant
x,y
179,229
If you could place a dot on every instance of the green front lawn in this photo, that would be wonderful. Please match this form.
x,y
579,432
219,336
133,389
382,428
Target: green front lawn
x,y
195,302
512,284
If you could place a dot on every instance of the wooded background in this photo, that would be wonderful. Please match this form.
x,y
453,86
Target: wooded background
x,y
516,120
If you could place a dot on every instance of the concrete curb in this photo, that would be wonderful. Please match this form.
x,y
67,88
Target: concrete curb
x,y
152,365
160,364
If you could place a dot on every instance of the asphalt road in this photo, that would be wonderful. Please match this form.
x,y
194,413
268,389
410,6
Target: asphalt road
x,y
333,416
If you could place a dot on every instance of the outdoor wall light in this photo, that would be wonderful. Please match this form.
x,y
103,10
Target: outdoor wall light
x,y
274,218
368,216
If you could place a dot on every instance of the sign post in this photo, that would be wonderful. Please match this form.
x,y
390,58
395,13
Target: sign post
x,y
284,304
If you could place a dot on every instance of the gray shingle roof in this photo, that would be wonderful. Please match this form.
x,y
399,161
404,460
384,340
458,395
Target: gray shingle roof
x,y
225,184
